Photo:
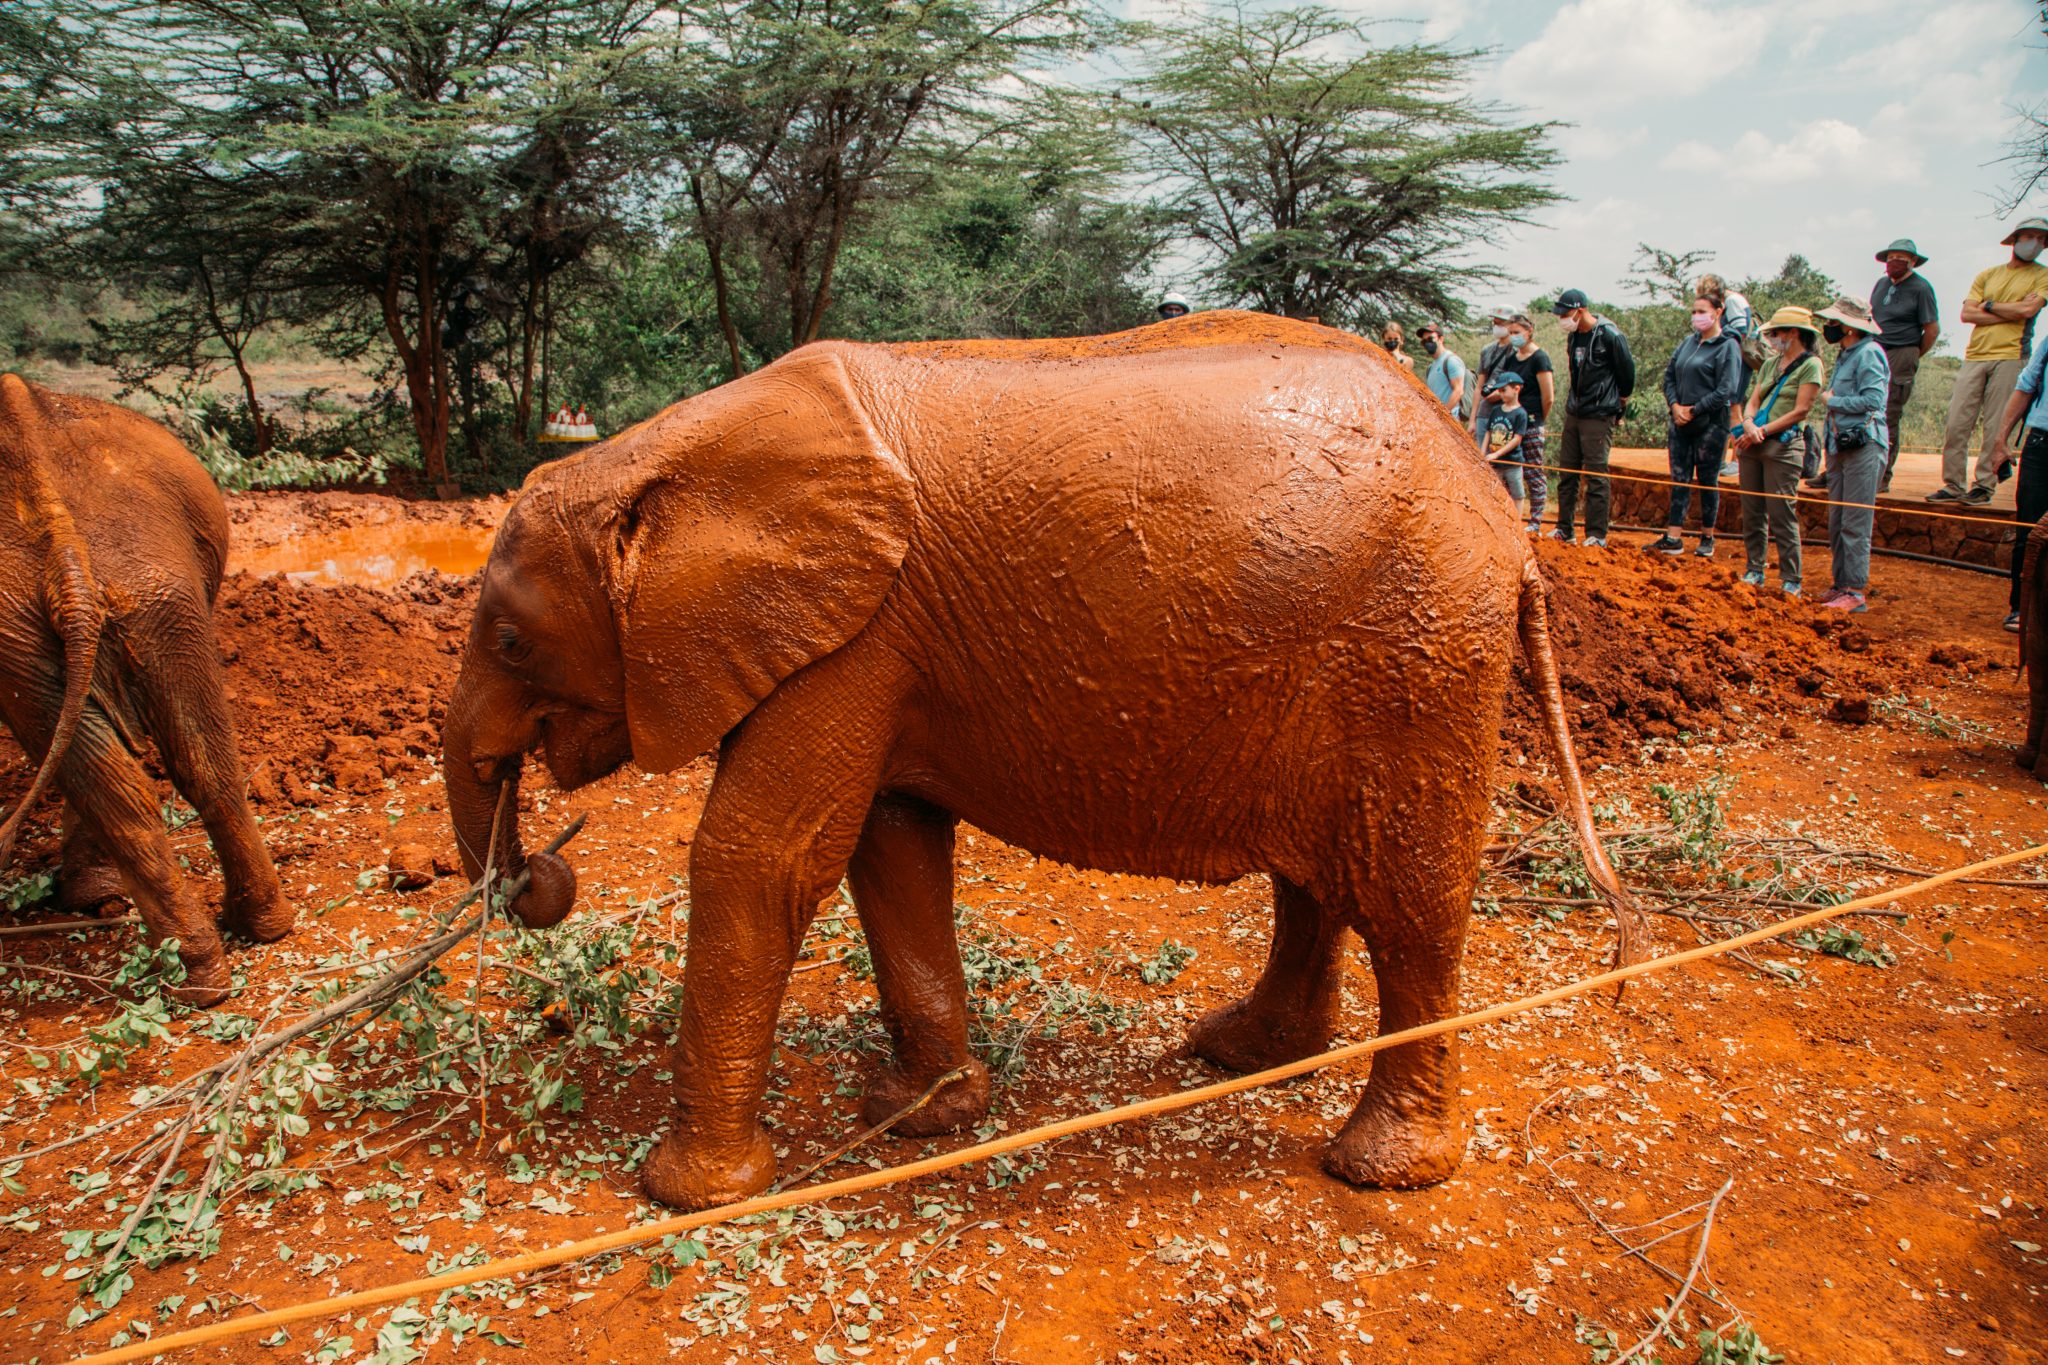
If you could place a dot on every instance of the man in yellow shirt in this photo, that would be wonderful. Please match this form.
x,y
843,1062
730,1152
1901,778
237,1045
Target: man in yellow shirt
x,y
2000,308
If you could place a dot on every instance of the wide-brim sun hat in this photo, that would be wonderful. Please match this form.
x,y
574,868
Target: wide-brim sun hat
x,y
2039,225
1850,313
1904,244
1789,318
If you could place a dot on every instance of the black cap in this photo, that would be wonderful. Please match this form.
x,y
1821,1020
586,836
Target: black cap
x,y
1569,301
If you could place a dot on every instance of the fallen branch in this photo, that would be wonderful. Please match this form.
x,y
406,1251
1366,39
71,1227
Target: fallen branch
x,y
65,926
1699,1259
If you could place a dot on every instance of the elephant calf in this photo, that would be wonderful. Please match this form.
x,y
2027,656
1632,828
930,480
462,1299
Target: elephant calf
x,y
1228,594
2034,647
108,570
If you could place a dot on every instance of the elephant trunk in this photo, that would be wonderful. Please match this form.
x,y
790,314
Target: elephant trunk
x,y
72,602
483,800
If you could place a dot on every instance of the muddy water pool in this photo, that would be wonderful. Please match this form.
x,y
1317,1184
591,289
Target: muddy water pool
x,y
372,556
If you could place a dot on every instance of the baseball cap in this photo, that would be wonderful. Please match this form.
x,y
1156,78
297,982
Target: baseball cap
x,y
1570,301
1502,380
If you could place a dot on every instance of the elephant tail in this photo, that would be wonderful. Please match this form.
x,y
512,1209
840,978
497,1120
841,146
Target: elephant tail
x,y
71,601
1534,623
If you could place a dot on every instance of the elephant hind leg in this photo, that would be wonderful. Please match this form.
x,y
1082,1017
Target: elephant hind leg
x,y
89,880
1292,1010
184,697
1407,1129
902,880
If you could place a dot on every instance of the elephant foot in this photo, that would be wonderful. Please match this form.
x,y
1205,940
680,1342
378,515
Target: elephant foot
x,y
262,916
96,889
1239,1037
960,1103
687,1173
1400,1144
2027,758
206,984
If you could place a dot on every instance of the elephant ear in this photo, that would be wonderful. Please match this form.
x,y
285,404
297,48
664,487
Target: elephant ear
x,y
769,523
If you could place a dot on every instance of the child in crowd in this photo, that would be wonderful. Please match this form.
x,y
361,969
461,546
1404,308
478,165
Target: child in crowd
x,y
1505,430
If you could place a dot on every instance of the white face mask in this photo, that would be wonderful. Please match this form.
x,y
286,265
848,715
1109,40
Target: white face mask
x,y
1780,344
1499,331
2027,248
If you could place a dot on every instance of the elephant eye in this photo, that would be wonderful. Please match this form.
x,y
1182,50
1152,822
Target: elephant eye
x,y
510,644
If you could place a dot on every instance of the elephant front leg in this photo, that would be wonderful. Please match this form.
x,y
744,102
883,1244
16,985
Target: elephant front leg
x,y
793,789
1292,1011
902,880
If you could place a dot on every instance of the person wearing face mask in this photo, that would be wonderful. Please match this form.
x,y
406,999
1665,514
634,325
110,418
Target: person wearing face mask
x,y
1768,448
1902,301
1493,358
1446,375
1603,377
1395,341
1539,396
2000,309
1856,446
1700,386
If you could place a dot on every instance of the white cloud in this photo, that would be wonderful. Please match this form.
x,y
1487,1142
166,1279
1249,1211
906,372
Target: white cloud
x,y
1616,51
1820,153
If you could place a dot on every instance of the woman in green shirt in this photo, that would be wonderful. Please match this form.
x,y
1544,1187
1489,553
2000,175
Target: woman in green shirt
x,y
1768,448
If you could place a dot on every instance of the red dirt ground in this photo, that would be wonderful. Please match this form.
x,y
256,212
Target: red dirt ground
x,y
1888,1188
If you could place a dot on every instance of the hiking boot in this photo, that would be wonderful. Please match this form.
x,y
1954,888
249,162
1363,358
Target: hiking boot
x,y
1706,548
1943,494
1977,497
1666,545
2012,622
1754,577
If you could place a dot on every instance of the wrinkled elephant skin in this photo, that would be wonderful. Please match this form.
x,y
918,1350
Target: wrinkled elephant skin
x,y
2034,648
109,562
1224,595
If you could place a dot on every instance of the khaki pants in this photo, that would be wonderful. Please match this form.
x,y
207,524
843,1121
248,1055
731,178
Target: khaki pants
x,y
1771,468
1982,386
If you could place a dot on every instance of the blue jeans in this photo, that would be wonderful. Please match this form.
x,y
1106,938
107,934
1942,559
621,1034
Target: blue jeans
x,y
1697,449
1510,475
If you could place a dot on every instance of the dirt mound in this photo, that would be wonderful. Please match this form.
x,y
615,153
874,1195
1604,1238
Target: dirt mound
x,y
340,687
1649,648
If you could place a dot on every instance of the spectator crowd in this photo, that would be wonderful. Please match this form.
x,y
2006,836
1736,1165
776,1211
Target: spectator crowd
x,y
1733,384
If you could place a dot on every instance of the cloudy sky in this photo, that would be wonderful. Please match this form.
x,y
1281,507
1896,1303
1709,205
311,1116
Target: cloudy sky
x,y
1755,128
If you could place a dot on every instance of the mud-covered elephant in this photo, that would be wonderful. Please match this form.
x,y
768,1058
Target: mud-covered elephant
x,y
2033,570
110,555
1220,596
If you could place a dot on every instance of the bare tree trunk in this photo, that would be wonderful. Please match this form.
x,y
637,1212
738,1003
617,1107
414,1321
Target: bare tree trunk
x,y
425,369
714,249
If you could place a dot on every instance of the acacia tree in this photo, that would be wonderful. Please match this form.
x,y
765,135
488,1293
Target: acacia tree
x,y
797,113
406,167
1328,175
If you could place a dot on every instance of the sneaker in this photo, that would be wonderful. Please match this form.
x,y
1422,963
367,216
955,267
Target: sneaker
x,y
1561,534
1706,548
1843,600
1827,599
1754,577
1791,587
1666,545
1534,528
2012,622
1943,494
1977,497
1596,542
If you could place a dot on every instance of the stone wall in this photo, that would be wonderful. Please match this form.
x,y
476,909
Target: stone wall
x,y
1975,536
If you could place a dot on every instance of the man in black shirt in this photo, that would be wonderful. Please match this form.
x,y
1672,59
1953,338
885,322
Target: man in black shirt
x,y
1902,302
1603,377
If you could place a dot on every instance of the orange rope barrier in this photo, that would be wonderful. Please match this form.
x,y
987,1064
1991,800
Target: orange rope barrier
x,y
982,1151
1821,501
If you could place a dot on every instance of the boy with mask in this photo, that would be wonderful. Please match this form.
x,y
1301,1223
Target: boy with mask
x,y
2000,307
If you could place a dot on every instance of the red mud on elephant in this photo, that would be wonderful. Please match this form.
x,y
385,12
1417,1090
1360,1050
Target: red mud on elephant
x,y
1216,597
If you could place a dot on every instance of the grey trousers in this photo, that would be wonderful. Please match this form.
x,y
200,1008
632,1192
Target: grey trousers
x,y
1905,362
1853,476
1770,469
1982,386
